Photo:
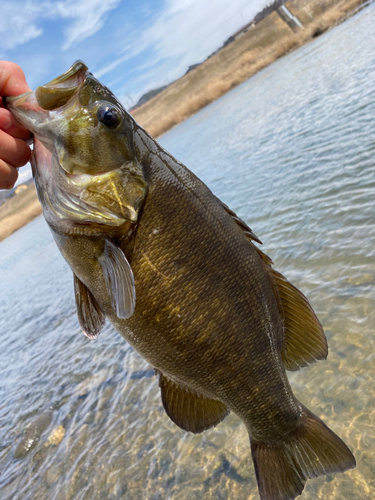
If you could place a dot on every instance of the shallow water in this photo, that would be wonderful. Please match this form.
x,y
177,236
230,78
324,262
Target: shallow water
x,y
292,152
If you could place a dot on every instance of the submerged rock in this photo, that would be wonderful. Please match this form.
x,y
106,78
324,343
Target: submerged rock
x,y
32,434
56,436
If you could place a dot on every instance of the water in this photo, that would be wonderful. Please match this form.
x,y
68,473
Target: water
x,y
292,151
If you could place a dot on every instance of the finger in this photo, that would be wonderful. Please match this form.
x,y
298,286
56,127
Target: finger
x,y
12,79
8,175
12,127
13,151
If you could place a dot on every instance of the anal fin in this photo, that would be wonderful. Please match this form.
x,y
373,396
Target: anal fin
x,y
91,318
190,411
304,341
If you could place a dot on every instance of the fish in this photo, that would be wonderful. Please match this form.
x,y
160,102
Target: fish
x,y
180,276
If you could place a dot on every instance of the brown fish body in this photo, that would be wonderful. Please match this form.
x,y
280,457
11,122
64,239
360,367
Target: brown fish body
x,y
206,305
206,314
177,274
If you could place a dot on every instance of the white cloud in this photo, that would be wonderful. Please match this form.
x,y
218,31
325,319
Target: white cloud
x,y
190,29
107,69
18,23
21,22
143,48
195,28
88,17
185,32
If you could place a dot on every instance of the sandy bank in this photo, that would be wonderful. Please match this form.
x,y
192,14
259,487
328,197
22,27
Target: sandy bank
x,y
18,211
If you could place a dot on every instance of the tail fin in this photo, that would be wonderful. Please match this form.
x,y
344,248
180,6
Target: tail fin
x,y
311,451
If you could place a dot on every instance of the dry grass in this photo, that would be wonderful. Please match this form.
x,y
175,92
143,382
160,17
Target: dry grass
x,y
18,211
240,60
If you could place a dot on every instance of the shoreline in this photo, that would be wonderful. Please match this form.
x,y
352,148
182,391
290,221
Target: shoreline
x,y
21,209
256,49
260,46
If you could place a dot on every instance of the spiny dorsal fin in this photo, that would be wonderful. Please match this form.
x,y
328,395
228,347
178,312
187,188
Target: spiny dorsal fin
x,y
265,257
91,318
190,411
119,279
249,233
305,341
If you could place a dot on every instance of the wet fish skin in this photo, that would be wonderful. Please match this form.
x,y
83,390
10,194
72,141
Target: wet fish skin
x,y
177,274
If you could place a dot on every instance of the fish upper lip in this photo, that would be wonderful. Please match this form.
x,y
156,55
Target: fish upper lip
x,y
60,90
75,72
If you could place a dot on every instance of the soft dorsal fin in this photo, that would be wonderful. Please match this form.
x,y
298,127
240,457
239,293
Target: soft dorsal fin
x,y
119,279
190,411
304,341
91,318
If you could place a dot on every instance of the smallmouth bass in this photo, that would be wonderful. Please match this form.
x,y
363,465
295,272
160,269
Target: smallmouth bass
x,y
178,275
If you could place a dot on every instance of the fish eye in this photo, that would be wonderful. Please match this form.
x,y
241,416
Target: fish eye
x,y
108,115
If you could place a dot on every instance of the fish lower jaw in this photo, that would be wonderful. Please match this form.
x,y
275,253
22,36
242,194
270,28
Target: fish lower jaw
x,y
27,111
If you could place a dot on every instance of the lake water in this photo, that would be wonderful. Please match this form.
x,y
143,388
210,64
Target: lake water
x,y
292,151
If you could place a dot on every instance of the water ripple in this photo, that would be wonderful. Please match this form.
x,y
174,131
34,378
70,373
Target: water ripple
x,y
292,151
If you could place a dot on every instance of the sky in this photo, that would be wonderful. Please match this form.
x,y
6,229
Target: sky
x,y
131,46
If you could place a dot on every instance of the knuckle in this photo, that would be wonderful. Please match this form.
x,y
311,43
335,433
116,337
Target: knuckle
x,y
22,154
8,175
8,184
26,155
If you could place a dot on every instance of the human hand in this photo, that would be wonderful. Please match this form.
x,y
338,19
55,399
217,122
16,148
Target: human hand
x,y
14,151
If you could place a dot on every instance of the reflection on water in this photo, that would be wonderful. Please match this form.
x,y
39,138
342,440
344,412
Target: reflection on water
x,y
292,151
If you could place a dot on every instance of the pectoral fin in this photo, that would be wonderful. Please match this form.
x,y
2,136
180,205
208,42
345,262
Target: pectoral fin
x,y
190,411
91,318
119,279
305,341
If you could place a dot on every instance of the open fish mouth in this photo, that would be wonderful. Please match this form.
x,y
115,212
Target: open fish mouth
x,y
49,97
59,91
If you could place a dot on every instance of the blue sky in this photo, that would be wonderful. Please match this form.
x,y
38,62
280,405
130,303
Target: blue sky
x,y
131,46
